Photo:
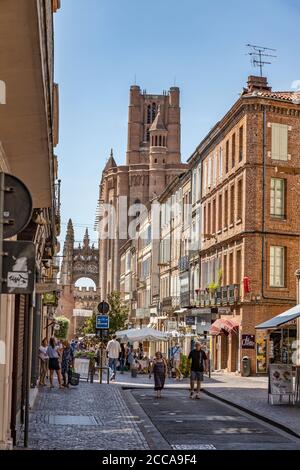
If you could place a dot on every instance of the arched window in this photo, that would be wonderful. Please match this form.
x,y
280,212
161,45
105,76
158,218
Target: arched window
x,y
159,141
153,111
148,136
149,114
156,141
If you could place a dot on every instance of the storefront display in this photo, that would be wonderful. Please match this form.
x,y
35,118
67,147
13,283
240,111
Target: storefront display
x,y
261,353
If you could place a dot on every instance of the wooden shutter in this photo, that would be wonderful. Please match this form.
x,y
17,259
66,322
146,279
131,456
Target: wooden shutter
x,y
279,149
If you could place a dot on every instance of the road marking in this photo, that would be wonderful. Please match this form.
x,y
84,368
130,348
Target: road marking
x,y
193,447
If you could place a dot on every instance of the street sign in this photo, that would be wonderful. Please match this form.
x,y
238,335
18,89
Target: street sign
x,y
103,307
190,321
43,287
102,322
224,310
17,206
18,267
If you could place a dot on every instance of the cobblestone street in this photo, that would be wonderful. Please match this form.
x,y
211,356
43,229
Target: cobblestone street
x,y
84,417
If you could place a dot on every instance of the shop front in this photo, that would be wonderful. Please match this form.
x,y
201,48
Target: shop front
x,y
225,347
279,343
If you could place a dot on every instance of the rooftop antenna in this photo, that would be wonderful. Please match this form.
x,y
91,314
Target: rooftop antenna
x,y
257,54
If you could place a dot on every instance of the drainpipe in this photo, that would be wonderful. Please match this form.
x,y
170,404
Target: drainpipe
x,y
263,204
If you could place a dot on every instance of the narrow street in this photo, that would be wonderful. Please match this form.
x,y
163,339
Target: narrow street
x,y
127,417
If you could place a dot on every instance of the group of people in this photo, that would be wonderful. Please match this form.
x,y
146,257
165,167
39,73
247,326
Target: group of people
x,y
55,356
198,360
122,355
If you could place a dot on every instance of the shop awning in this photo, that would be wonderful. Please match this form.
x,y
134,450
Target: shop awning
x,y
220,325
280,319
142,334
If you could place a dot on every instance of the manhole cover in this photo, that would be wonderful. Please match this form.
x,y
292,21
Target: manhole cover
x,y
193,447
69,420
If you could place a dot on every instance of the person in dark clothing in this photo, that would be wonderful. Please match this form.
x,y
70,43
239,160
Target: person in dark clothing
x,y
198,366
67,362
159,369
122,358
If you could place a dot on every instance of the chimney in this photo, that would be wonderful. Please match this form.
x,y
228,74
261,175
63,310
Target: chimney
x,y
258,83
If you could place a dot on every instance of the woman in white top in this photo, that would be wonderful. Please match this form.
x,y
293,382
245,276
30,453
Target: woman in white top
x,y
43,361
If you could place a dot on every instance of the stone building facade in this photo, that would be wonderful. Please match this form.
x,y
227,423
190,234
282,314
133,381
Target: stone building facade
x,y
79,261
152,161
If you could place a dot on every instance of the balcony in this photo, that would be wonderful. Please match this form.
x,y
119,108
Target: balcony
x,y
222,296
185,299
183,263
166,302
175,301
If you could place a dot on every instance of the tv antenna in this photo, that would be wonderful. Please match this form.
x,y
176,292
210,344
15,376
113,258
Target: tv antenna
x,y
258,53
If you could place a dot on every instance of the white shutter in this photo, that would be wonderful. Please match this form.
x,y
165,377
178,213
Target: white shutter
x,y
279,149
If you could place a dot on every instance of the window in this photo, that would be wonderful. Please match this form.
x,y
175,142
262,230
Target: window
x,y
214,216
209,173
227,157
231,268
226,208
240,199
238,276
220,162
194,186
277,198
241,143
208,218
277,266
220,212
224,270
215,161
231,219
233,151
279,150
204,219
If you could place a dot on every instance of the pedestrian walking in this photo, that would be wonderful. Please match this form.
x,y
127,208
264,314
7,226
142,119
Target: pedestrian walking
x,y
159,369
176,360
122,358
113,350
43,357
53,353
198,366
67,362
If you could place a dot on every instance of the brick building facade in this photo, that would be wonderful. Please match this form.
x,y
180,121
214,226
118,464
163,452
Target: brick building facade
x,y
152,161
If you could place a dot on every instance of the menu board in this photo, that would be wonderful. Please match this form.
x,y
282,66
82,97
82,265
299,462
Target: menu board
x,y
280,379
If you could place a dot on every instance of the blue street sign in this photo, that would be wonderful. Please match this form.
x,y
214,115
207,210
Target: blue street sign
x,y
102,322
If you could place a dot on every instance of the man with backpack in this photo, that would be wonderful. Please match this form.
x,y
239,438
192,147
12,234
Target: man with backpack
x,y
199,365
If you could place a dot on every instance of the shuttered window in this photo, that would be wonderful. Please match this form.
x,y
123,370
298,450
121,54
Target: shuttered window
x,y
279,149
277,266
277,196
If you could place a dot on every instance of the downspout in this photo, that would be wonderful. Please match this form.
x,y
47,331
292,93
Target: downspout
x,y
263,238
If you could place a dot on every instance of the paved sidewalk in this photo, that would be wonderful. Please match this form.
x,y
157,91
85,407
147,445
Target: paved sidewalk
x,y
84,417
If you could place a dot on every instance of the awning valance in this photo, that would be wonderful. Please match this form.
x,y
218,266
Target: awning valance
x,y
280,319
220,325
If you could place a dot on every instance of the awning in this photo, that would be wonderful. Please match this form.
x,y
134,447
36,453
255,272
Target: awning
x,y
280,319
142,334
227,325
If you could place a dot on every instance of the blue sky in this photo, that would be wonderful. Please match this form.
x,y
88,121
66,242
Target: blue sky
x,y
102,45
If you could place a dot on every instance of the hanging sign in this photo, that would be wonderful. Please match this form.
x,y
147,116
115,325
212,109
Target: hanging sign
x,y
18,267
248,341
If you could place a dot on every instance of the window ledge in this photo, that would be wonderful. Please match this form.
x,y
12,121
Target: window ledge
x,y
279,218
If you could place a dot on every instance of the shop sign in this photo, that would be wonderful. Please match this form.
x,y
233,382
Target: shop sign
x,y
50,298
199,311
171,325
190,321
224,310
280,379
248,341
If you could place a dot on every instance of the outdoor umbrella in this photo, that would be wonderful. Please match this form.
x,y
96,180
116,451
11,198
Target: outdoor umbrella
x,y
142,334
